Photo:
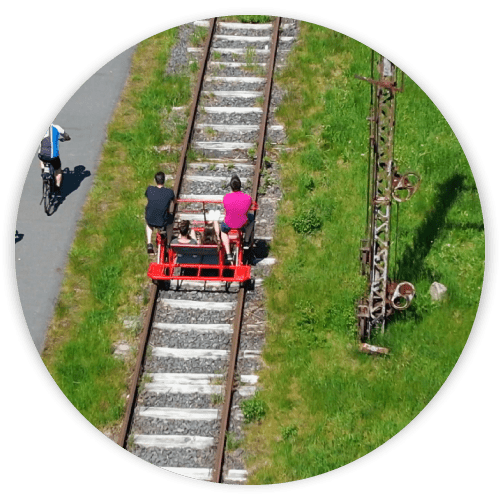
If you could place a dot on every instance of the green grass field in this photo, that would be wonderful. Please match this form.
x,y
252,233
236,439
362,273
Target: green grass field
x,y
325,403
104,282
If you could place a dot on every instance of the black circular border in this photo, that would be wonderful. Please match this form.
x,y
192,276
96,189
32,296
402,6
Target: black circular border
x,y
465,360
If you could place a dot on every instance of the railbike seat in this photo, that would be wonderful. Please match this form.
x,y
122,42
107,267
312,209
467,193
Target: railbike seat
x,y
194,254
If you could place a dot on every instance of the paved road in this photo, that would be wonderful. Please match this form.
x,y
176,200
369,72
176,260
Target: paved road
x,y
44,242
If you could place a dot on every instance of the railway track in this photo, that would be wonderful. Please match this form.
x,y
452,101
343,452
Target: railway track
x,y
201,343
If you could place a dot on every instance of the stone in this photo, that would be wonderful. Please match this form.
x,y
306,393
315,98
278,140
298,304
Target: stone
x,y
437,291
373,349
132,323
121,349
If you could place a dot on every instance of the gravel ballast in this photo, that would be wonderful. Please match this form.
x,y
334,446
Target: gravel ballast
x,y
165,353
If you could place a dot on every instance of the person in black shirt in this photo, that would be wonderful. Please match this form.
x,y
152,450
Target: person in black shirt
x,y
157,214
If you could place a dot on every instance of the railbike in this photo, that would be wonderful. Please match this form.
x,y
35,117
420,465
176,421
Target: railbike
x,y
205,261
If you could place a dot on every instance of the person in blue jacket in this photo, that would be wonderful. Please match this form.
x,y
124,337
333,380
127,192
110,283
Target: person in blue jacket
x,y
49,151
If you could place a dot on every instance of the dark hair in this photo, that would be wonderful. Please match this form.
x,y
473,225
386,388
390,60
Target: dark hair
x,y
208,235
235,183
184,227
160,178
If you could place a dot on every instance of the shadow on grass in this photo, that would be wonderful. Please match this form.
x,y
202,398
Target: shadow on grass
x,y
411,266
464,226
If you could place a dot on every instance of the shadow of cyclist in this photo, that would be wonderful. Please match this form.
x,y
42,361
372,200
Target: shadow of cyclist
x,y
72,180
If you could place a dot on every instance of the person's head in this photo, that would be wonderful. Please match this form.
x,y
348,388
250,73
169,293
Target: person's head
x,y
235,183
184,227
160,178
208,234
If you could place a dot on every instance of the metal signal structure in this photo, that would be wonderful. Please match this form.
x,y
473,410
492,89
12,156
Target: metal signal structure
x,y
385,184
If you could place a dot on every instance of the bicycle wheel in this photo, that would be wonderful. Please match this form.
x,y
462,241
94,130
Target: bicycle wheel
x,y
47,195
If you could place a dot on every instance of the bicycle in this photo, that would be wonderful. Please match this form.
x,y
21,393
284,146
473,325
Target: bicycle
x,y
48,187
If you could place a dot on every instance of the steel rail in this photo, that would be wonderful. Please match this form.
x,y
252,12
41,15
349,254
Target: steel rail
x,y
238,317
153,296
194,107
265,109
228,396
143,342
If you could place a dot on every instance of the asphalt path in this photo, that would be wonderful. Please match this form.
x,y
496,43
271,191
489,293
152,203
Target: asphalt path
x,y
43,242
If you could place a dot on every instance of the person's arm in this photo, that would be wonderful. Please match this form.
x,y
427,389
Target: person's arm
x,y
63,136
250,205
217,230
171,205
223,208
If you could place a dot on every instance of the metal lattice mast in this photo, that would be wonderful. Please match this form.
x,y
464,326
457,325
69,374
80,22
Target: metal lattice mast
x,y
385,184
382,139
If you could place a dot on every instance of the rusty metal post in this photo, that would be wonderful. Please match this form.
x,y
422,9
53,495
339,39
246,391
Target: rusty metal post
x,y
381,195
383,184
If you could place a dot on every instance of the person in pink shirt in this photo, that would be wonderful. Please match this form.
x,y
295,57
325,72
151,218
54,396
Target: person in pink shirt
x,y
236,205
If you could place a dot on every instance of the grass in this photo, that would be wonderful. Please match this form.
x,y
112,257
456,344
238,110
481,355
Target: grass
x,y
216,399
198,36
251,65
232,442
250,55
266,181
326,403
105,280
194,67
145,379
253,409
210,132
248,19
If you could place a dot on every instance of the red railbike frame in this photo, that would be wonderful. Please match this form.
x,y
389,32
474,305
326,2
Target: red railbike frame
x,y
166,267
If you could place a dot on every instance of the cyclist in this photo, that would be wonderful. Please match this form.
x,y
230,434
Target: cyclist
x,y
49,152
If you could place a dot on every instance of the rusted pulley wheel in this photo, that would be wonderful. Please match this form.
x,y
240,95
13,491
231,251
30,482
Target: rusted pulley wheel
x,y
405,186
402,296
